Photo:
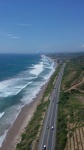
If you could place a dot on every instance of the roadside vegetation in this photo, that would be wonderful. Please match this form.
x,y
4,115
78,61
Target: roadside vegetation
x,y
74,73
70,126
30,138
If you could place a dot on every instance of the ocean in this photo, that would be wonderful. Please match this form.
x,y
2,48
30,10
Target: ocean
x,y
21,79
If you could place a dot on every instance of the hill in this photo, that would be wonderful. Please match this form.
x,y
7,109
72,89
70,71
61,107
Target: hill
x,y
70,128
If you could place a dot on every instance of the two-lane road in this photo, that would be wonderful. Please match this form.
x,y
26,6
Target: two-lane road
x,y
48,136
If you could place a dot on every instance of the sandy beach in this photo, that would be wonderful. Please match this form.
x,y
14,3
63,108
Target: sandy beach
x,y
14,134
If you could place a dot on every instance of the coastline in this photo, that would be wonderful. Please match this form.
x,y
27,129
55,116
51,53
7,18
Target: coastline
x,y
14,134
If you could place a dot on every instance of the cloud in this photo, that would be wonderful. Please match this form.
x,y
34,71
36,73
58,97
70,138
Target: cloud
x,y
5,34
15,37
82,46
9,35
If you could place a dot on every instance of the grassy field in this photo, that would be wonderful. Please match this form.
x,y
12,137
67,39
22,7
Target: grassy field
x,y
74,72
70,127
30,138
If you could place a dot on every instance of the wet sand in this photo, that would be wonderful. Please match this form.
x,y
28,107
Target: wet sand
x,y
14,134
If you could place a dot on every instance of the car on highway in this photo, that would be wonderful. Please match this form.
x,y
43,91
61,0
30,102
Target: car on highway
x,y
47,127
44,147
52,128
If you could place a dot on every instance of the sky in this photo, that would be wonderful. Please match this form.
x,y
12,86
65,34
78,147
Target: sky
x,y
41,25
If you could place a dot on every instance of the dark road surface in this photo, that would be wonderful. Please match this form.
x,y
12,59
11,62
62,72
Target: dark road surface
x,y
48,136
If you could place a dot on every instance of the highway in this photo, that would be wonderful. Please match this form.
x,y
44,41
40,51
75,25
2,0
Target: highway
x,y
48,136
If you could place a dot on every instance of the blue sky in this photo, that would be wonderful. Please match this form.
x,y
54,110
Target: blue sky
x,y
46,25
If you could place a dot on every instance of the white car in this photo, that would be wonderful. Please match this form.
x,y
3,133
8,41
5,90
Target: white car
x,y
52,128
44,147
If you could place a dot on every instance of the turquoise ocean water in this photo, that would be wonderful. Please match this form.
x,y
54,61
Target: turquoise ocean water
x,y
20,74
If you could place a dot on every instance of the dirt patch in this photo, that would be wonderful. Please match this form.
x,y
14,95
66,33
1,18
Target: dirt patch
x,y
80,98
78,79
75,86
75,136
70,76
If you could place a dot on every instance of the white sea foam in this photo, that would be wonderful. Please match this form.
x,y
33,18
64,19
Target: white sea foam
x,y
2,138
8,120
1,114
29,95
15,85
12,86
38,68
49,74
9,117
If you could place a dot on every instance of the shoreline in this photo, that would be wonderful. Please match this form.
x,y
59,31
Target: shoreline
x,y
22,120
